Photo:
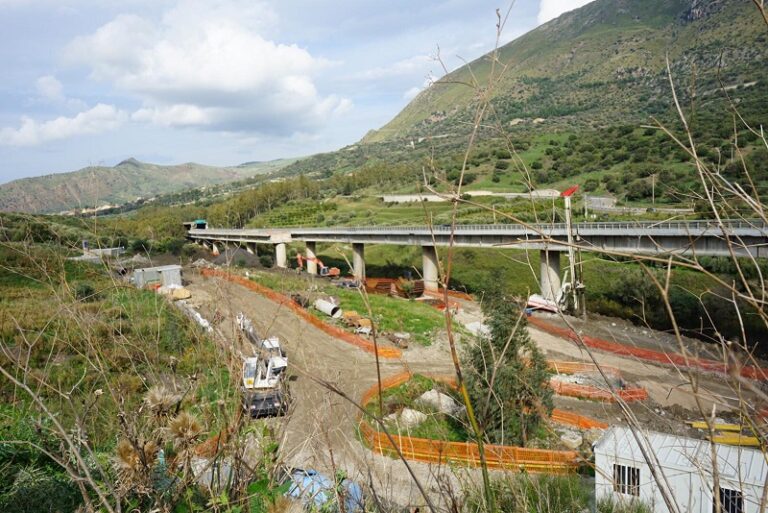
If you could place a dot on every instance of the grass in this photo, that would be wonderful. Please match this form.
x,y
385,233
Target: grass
x,y
525,493
422,321
136,336
437,426
608,505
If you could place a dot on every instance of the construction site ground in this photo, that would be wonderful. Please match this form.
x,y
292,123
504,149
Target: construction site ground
x,y
320,430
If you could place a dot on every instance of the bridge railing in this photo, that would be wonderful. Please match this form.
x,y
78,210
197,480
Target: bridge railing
x,y
683,227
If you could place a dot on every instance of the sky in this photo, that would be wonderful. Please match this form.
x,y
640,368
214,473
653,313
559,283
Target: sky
x,y
221,82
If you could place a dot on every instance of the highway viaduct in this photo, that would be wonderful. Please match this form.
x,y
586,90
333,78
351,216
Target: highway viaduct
x,y
689,238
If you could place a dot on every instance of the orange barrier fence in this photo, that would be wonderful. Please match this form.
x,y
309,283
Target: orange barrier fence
x,y
466,453
365,345
576,420
651,355
589,391
597,394
576,367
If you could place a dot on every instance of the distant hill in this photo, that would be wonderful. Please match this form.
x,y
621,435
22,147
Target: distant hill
x,y
598,65
94,186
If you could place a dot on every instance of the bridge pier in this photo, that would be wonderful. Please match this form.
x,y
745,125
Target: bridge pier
x,y
429,268
312,257
215,251
358,262
550,274
206,245
281,256
250,247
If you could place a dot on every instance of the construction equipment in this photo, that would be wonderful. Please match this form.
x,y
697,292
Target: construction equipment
x,y
323,270
264,388
539,302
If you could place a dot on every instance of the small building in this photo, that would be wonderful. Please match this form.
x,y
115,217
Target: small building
x,y
164,276
197,224
684,468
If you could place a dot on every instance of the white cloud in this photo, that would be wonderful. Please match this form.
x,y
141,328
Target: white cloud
x,y
418,64
51,91
208,64
550,9
99,119
49,88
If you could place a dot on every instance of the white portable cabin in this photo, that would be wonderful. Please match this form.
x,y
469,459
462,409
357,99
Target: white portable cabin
x,y
166,275
684,467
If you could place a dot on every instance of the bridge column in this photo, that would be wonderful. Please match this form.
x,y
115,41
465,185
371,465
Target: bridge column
x,y
311,257
429,268
358,262
205,245
550,274
250,247
281,257
215,250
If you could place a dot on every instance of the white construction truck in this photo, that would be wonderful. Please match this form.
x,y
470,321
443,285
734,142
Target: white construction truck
x,y
264,388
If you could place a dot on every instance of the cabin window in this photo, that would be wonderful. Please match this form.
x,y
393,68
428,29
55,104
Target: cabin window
x,y
731,501
626,480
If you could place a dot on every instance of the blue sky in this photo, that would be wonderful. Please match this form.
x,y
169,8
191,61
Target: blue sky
x,y
221,82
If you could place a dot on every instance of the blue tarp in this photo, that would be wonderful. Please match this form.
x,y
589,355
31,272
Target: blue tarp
x,y
313,488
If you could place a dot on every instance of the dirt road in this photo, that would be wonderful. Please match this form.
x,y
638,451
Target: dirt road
x,y
320,430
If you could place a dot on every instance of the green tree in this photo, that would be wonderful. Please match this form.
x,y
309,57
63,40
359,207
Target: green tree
x,y
507,377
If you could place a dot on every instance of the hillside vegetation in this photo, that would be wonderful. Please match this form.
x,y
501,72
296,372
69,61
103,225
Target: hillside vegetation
x,y
95,186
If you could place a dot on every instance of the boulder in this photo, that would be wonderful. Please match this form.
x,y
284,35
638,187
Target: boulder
x,y
181,293
439,401
593,435
571,440
411,418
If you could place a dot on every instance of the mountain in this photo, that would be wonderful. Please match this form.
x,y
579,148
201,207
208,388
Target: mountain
x,y
602,64
127,181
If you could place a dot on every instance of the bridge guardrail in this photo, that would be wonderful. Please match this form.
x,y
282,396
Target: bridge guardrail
x,y
684,227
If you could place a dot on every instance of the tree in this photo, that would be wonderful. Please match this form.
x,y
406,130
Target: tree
x,y
507,377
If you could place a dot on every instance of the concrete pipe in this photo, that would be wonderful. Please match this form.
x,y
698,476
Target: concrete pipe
x,y
328,308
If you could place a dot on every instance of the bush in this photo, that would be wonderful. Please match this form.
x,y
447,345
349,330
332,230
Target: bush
x,y
266,260
638,190
591,185
84,291
502,164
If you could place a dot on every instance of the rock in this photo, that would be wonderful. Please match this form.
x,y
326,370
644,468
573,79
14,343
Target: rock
x,y
181,293
411,418
439,401
391,418
571,440
592,435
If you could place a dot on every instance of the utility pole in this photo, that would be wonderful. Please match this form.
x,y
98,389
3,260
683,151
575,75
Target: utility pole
x,y
576,286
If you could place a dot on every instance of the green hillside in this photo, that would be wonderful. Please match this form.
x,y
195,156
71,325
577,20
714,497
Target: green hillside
x,y
130,179
599,65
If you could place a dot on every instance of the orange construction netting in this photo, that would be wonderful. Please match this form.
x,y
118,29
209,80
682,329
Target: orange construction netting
x,y
651,355
351,338
589,391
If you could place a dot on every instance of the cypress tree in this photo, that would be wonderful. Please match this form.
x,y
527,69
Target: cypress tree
x,y
507,376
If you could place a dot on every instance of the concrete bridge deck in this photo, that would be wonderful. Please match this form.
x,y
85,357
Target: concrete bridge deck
x,y
701,238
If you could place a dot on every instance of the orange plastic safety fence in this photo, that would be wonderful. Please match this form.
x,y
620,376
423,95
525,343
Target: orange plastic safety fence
x,y
576,367
438,451
597,394
747,371
365,345
576,420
